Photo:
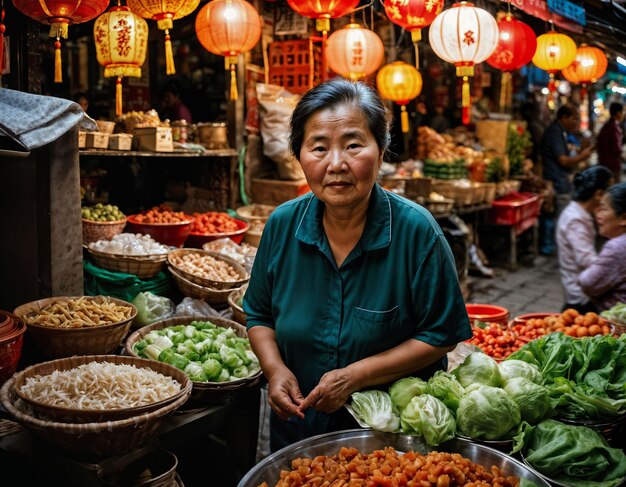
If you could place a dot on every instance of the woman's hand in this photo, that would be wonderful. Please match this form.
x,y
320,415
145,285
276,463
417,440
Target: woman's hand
x,y
284,394
331,393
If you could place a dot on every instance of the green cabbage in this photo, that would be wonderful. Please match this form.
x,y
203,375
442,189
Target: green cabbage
x,y
429,417
532,399
151,308
403,390
446,388
376,410
512,369
487,412
478,368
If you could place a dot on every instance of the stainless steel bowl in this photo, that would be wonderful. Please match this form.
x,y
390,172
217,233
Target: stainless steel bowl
x,y
505,446
368,440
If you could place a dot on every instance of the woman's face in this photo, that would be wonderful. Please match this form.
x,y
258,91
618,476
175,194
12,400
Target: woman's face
x,y
339,156
610,225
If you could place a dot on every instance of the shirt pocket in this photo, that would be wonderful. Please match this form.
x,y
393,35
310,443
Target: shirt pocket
x,y
380,319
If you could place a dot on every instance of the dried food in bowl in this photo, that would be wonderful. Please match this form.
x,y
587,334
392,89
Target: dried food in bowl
x,y
100,438
208,269
214,297
197,238
65,341
95,388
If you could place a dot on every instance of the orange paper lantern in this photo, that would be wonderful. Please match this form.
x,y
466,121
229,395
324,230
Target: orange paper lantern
x,y
399,82
413,16
555,51
354,52
588,67
60,14
121,39
229,28
164,12
322,10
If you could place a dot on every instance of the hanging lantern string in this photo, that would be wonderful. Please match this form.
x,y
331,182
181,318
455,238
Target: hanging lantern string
x,y
169,55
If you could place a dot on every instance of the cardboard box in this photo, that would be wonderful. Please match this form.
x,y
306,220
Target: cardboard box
x,y
96,140
275,192
120,141
82,136
493,134
155,139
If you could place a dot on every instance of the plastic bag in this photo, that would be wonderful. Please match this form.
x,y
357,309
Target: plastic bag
x,y
195,307
151,308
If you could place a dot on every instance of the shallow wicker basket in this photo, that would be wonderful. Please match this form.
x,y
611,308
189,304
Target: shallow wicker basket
x,y
142,266
200,389
64,342
238,313
73,415
103,439
212,296
94,231
204,281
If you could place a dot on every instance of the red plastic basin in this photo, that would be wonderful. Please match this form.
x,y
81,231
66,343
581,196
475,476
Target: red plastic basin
x,y
172,234
196,240
11,347
489,313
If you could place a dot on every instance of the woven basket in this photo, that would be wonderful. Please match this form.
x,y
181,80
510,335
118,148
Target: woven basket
x,y
188,288
142,266
94,231
72,415
102,439
205,281
65,342
201,390
238,313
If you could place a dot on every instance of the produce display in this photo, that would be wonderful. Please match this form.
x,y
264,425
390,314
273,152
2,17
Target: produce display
x,y
480,399
102,213
213,222
496,340
573,455
617,314
585,378
205,266
100,386
79,313
130,244
389,468
204,351
162,214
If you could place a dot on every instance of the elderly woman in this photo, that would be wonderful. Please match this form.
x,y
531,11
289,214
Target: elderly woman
x,y
352,286
605,279
576,234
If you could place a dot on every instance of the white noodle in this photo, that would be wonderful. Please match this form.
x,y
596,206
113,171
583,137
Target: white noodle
x,y
100,386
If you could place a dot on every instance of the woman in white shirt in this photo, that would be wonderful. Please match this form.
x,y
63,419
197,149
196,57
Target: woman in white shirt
x,y
576,234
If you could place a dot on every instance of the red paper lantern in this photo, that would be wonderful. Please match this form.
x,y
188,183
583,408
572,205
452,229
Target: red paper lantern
x,y
354,52
413,16
516,47
60,14
588,67
322,10
229,28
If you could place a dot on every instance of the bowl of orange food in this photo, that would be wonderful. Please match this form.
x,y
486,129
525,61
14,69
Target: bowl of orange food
x,y
163,224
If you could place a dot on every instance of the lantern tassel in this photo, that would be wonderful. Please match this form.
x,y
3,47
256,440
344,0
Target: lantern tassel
x,y
233,82
2,29
583,91
552,84
169,55
466,100
58,68
404,119
417,56
118,96
504,89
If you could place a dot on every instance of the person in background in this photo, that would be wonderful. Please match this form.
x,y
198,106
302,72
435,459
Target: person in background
x,y
173,107
352,286
81,98
605,279
439,122
558,167
576,234
609,141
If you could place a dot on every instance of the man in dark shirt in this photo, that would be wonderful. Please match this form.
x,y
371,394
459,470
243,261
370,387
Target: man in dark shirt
x,y
610,141
558,167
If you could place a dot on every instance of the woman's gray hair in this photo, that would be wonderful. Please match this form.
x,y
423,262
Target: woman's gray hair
x,y
339,91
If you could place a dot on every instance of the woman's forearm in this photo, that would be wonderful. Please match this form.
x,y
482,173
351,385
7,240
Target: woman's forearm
x,y
263,343
400,361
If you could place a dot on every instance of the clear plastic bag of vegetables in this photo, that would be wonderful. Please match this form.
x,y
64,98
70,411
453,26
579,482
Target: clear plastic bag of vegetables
x,y
151,308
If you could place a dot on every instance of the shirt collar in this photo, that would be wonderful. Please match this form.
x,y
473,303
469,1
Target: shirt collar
x,y
377,232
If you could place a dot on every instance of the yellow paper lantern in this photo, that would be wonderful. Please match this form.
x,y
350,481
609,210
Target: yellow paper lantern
x,y
121,39
399,82
555,51
589,65
464,35
229,28
354,52
164,12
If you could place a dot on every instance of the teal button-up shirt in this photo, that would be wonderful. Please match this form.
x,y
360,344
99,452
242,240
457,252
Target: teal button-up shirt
x,y
399,282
